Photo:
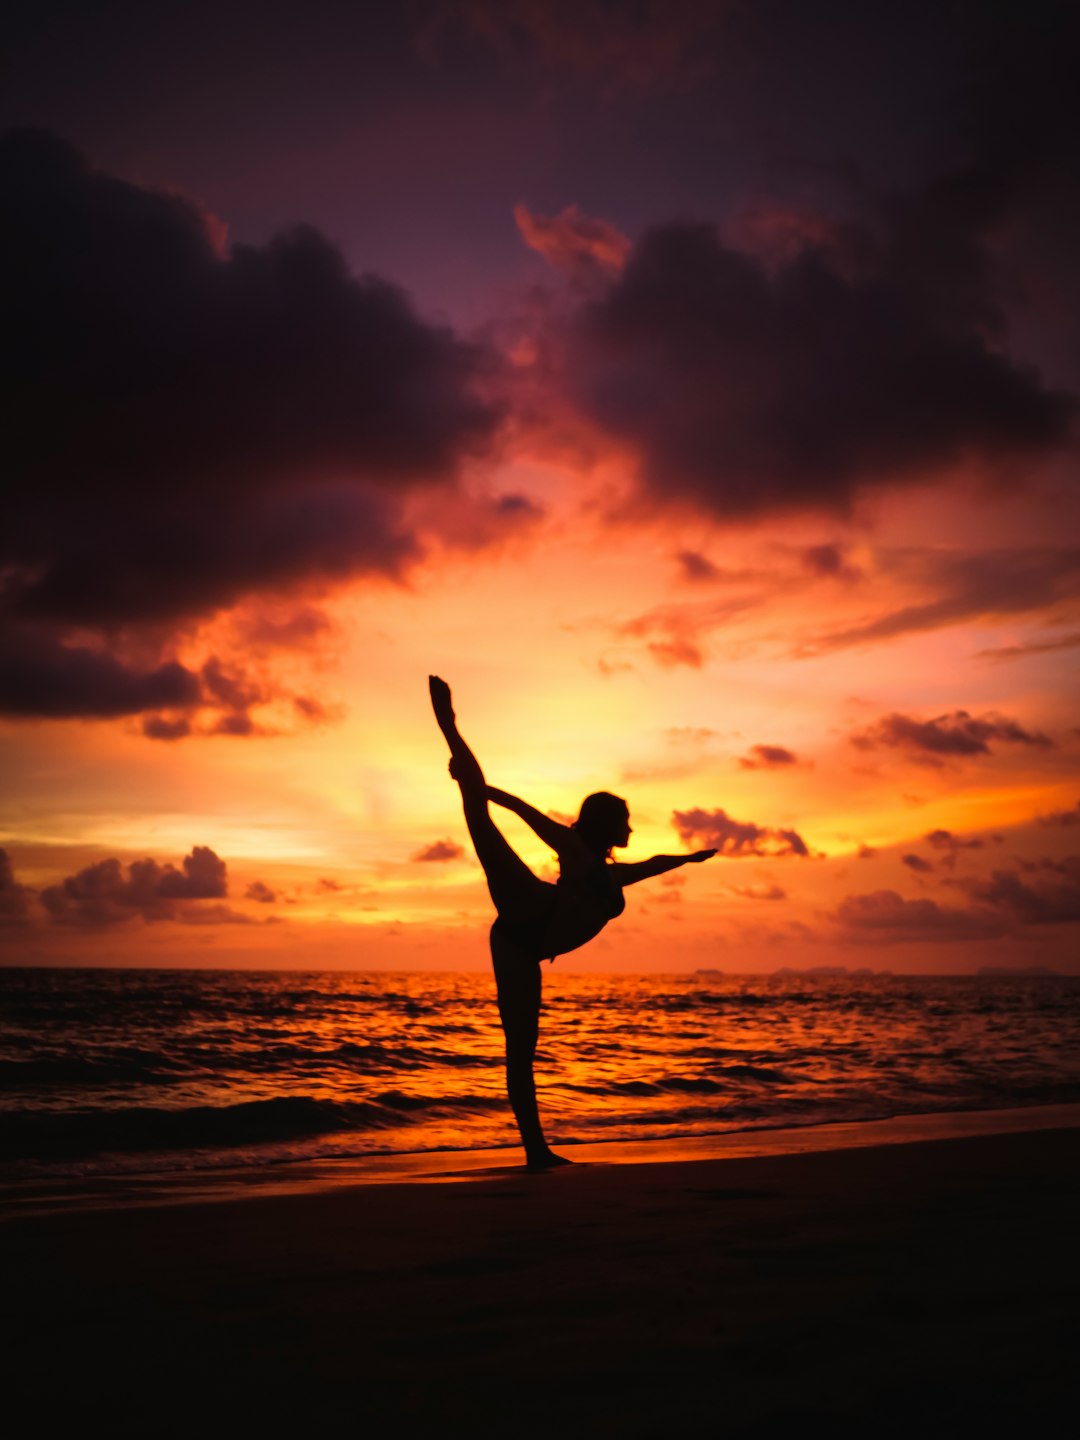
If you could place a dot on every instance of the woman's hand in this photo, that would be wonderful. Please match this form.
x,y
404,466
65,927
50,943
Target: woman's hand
x,y
700,855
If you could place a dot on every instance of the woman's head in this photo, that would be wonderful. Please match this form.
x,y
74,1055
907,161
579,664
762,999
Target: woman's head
x,y
603,821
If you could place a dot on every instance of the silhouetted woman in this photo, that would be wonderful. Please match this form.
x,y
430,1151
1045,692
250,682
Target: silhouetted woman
x,y
536,920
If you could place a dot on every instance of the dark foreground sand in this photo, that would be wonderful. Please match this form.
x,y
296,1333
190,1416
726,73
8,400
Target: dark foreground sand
x,y
925,1289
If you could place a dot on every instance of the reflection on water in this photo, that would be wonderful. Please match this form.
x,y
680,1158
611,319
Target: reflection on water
x,y
104,1070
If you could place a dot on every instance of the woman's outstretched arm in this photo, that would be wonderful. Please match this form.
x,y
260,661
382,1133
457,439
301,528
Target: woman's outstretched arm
x,y
658,865
560,837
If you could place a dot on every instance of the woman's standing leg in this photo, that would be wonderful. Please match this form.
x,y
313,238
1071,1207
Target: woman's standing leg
x,y
517,979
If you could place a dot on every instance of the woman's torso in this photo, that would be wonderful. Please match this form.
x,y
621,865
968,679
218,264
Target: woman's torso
x,y
584,903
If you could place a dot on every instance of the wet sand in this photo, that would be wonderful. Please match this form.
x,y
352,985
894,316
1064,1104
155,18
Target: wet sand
x,y
923,1288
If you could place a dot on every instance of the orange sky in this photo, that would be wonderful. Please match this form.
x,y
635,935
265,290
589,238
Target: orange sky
x,y
717,442
564,684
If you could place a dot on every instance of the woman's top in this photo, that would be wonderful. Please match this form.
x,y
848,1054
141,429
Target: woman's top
x,y
584,904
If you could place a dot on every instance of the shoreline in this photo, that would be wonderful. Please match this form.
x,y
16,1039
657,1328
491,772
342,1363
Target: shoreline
x,y
139,1189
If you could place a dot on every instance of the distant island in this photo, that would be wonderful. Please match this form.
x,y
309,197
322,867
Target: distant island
x,y
1015,972
1021,971
817,970
827,970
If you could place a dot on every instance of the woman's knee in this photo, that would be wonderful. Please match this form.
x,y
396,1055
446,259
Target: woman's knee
x,y
521,1030
519,993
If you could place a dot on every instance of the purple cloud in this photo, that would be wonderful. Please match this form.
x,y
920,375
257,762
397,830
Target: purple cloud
x,y
1051,902
103,894
1066,818
736,839
957,734
188,425
260,892
749,391
768,757
14,898
918,864
884,917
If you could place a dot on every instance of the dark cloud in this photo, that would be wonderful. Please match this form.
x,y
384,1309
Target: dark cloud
x,y
956,735
866,852
736,839
768,757
261,892
829,562
160,727
312,710
884,338
102,894
655,46
231,689
513,506
947,841
239,723
747,391
42,678
1062,817
696,567
884,917
1004,902
970,586
440,850
1052,902
918,864
186,425
1033,647
14,898
951,846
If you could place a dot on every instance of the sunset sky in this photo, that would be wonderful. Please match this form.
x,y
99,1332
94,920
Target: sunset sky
x,y
694,386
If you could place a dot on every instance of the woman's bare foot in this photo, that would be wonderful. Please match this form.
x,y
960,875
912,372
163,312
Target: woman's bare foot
x,y
441,702
546,1160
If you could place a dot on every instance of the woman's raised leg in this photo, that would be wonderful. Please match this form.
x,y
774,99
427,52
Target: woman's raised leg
x,y
519,895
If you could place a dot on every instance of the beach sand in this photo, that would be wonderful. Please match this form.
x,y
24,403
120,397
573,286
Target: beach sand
x,y
927,1288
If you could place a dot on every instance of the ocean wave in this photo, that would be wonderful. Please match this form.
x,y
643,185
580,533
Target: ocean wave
x,y
137,1067
157,1068
70,1134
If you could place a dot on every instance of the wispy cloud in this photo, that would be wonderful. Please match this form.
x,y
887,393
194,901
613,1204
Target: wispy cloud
x,y
439,851
971,586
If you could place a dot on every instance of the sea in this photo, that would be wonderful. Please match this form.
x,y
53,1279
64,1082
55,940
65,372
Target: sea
x,y
107,1072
